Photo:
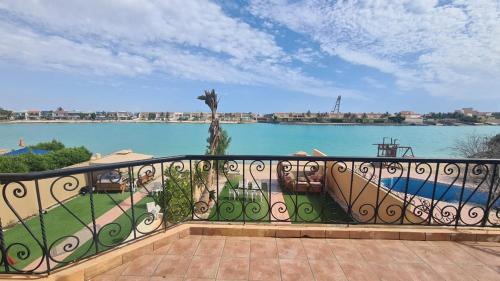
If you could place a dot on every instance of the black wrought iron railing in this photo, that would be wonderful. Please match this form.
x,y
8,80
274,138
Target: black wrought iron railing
x,y
50,219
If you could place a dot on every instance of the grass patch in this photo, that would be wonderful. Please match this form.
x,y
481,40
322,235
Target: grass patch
x,y
241,209
58,224
113,233
313,208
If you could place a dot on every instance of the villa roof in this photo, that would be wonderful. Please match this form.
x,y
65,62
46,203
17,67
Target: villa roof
x,y
120,156
26,150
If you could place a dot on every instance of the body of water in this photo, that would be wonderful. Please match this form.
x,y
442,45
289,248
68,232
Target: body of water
x,y
164,139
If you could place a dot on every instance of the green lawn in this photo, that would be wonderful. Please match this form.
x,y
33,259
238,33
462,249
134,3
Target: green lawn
x,y
113,234
314,208
311,208
58,224
232,210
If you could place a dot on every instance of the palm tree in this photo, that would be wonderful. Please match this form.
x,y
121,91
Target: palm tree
x,y
210,99
218,141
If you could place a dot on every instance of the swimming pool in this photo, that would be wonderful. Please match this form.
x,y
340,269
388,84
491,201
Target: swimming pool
x,y
452,195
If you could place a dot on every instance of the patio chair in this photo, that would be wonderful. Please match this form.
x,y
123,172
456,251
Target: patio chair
x,y
153,209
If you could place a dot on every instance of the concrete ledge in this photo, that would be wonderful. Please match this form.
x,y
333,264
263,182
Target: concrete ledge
x,y
88,268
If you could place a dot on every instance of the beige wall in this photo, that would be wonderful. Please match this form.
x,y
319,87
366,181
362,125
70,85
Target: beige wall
x,y
27,205
363,196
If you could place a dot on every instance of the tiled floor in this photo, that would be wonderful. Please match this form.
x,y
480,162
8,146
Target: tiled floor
x,y
254,258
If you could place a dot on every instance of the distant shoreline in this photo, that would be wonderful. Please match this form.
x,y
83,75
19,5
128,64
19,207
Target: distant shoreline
x,y
223,122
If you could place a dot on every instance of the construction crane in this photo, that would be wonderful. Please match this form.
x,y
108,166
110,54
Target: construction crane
x,y
336,109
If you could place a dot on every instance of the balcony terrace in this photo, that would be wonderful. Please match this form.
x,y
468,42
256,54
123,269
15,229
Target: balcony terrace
x,y
254,218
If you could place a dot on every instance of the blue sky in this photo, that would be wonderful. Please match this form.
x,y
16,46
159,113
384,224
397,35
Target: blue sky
x,y
260,55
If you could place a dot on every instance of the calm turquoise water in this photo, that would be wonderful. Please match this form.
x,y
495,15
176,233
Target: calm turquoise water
x,y
161,139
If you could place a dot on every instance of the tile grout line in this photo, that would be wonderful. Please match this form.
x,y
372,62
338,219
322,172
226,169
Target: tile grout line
x,y
426,263
191,261
220,259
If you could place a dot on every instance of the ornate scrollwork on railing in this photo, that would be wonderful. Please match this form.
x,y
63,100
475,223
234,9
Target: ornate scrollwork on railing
x,y
445,213
415,211
340,167
256,207
472,214
365,212
280,211
18,249
176,196
68,243
115,232
204,187
227,188
231,208
306,211
392,212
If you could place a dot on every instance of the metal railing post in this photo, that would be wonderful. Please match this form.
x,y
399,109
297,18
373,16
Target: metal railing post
x,y
490,195
131,191
459,209
164,190
192,191
431,208
42,227
3,251
92,212
349,204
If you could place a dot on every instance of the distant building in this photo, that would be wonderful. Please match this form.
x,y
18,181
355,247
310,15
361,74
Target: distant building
x,y
33,115
47,114
412,117
60,114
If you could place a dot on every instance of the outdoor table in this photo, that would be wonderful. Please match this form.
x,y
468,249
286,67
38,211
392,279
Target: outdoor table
x,y
248,190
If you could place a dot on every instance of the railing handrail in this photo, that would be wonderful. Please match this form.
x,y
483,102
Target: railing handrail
x,y
157,160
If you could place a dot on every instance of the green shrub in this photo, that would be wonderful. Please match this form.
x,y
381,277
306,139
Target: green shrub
x,y
10,164
52,145
57,158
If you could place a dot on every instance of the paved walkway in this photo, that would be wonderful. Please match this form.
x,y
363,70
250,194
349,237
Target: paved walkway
x,y
277,202
58,253
257,258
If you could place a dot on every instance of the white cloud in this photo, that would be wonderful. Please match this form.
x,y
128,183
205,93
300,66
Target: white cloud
x,y
187,39
451,49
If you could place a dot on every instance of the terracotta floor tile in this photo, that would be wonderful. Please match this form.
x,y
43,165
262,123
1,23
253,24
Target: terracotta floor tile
x,y
388,271
199,279
233,269
327,269
344,251
263,249
117,271
163,250
210,247
295,269
143,265
370,251
203,267
172,265
452,272
183,247
104,277
132,278
489,255
432,255
358,271
264,269
166,278
290,248
237,248
213,237
420,271
481,273
317,249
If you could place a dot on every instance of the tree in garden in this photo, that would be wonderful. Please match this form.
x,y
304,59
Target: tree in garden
x,y
218,141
